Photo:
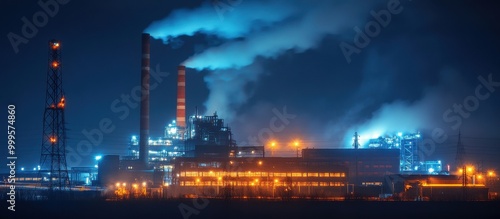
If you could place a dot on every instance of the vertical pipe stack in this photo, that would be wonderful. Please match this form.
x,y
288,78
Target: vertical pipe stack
x,y
144,126
181,99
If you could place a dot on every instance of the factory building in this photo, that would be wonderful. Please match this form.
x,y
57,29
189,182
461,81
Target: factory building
x,y
258,177
197,156
367,167
435,188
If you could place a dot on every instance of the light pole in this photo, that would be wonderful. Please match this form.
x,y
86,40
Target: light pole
x,y
296,144
274,186
273,144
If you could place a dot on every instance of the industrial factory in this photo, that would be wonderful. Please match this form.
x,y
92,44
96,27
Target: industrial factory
x,y
198,157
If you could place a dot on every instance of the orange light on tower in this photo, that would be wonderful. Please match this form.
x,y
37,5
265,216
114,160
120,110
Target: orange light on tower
x,y
55,64
53,139
61,103
56,45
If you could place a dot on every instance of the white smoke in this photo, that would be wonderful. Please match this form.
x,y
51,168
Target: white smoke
x,y
410,117
251,30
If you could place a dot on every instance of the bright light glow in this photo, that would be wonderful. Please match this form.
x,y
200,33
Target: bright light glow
x,y
134,138
273,144
53,139
144,184
431,170
491,173
62,103
400,134
34,168
55,64
375,135
470,169
197,180
98,157
165,184
275,180
96,166
417,135
220,178
117,184
296,143
260,162
124,184
135,186
38,167
55,45
22,168
479,176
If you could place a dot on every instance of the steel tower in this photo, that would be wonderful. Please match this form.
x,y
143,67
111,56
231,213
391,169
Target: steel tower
x,y
460,155
53,169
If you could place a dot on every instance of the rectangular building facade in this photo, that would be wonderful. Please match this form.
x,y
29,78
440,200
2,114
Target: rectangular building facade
x,y
258,177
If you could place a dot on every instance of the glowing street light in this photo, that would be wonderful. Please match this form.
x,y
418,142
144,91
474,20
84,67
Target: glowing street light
x,y
273,146
470,169
491,173
296,143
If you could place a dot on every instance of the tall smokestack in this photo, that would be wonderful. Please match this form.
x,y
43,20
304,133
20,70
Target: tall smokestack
x,y
144,126
181,99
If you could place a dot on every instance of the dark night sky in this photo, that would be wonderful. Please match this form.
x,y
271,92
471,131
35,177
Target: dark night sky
x,y
425,60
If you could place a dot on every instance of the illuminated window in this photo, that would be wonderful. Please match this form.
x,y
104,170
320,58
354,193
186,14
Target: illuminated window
x,y
191,174
334,174
323,174
312,174
296,174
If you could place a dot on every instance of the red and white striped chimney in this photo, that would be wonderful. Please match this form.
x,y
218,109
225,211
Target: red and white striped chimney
x,y
181,98
144,123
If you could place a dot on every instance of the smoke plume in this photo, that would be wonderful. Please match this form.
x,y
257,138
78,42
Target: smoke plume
x,y
251,30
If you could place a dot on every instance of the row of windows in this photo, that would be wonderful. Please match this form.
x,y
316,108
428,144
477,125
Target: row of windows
x,y
371,183
19,179
288,163
377,166
254,183
257,174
